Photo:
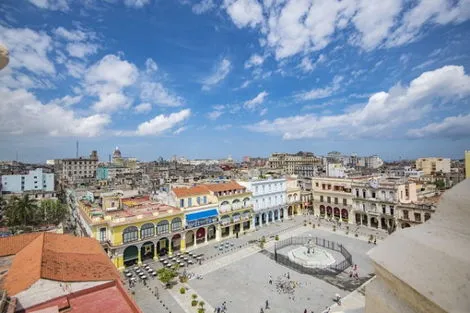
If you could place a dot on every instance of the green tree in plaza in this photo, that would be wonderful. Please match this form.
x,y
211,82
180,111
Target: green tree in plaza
x,y
440,183
52,211
166,275
21,211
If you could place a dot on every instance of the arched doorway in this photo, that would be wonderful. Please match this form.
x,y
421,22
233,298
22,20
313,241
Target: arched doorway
x,y
358,218
163,246
211,232
176,243
374,222
131,255
405,225
290,211
276,215
344,215
364,220
427,216
329,211
281,214
189,238
263,218
257,220
336,213
147,251
201,235
270,216
322,210
383,222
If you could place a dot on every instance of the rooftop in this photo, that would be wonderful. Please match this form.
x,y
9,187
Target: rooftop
x,y
207,188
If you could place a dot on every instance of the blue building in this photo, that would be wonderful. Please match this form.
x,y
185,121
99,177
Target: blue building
x,y
35,180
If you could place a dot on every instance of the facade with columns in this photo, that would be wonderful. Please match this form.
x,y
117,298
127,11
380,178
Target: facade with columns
x,y
294,197
269,199
332,198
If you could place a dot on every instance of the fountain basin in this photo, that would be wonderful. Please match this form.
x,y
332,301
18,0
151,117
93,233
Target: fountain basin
x,y
320,258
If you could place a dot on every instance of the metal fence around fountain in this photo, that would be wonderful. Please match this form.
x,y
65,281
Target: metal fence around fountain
x,y
331,245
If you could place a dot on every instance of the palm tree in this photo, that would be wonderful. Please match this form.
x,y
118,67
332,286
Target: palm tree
x,y
21,211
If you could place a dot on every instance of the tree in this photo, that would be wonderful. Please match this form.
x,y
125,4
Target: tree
x,y
166,275
52,212
440,184
21,212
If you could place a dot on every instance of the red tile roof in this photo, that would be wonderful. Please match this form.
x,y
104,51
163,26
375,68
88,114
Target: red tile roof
x,y
233,185
56,257
191,191
13,244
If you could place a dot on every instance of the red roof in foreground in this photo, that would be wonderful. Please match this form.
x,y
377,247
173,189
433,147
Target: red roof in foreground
x,y
108,297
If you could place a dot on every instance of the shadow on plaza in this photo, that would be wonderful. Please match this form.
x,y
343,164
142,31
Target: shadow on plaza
x,y
339,279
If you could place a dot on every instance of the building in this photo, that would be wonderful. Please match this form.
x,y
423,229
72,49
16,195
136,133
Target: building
x,y
333,198
269,199
294,200
46,272
301,163
76,171
36,180
335,170
432,166
132,229
375,200
120,161
425,269
467,164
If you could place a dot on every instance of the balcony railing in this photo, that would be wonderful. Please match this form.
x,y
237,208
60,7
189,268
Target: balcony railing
x,y
234,207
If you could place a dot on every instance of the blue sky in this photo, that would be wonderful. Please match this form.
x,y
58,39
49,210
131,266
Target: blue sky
x,y
206,79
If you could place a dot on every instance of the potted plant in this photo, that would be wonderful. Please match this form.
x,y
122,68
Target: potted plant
x,y
194,301
334,228
182,290
201,307
277,237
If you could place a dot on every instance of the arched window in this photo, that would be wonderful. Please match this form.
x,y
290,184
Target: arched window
x,y
147,230
235,201
130,233
163,227
176,224
246,202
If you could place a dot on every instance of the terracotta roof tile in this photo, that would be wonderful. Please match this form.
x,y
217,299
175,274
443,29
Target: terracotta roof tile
x,y
191,191
61,258
13,244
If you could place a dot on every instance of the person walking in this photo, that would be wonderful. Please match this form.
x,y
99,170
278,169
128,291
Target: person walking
x,y
261,311
305,311
267,304
270,279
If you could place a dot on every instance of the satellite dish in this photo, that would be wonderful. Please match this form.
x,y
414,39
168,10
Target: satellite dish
x,y
4,57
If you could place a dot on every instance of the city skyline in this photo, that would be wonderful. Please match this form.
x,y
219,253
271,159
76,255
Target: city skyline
x,y
210,78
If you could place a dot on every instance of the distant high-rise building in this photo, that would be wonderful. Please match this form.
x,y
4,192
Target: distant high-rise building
x,y
431,166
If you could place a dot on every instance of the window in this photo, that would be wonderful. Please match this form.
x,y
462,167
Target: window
x,y
391,210
147,230
328,199
384,209
363,193
190,202
405,215
373,194
181,203
176,224
163,227
357,193
198,200
336,200
323,186
129,234
316,184
407,192
103,234
204,199
345,201
418,217
321,198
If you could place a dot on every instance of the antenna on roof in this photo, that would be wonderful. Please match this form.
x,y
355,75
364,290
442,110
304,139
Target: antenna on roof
x,y
76,152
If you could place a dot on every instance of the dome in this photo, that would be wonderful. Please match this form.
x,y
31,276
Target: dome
x,y
4,57
117,153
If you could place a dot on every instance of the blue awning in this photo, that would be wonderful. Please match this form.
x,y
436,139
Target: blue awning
x,y
199,215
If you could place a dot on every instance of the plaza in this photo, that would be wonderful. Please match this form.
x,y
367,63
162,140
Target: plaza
x,y
240,276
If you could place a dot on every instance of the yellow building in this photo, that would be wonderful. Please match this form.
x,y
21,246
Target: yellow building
x,y
431,166
133,229
467,164
294,202
332,198
214,211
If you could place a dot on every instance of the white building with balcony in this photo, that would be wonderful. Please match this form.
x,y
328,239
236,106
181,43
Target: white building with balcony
x,y
269,199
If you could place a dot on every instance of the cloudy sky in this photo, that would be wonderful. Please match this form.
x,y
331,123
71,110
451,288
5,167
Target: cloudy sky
x,y
209,78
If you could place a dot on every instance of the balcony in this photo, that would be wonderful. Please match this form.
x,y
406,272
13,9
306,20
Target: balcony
x,y
376,199
332,191
231,221
241,195
234,207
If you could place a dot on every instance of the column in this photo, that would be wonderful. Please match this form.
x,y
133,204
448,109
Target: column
x,y
207,233
218,232
139,260
183,243
170,248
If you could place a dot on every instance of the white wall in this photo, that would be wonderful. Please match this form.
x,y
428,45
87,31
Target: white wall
x,y
35,180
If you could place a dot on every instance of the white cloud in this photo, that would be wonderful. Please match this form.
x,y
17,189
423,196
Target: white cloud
x,y
66,100
244,12
28,49
157,93
54,5
256,101
290,27
111,102
75,69
263,112
136,3
180,130
245,84
71,35
21,113
214,115
143,108
221,71
307,66
161,123
150,66
453,127
319,93
110,74
203,6
254,60
81,49
385,112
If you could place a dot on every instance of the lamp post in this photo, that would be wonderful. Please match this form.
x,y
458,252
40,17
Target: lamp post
x,y
4,57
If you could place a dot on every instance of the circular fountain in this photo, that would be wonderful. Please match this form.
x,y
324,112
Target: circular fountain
x,y
309,255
